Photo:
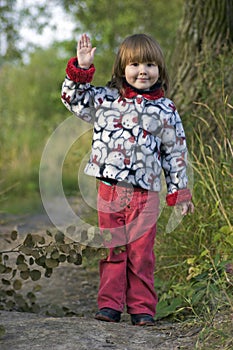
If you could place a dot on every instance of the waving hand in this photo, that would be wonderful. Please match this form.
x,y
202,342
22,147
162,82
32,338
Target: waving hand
x,y
85,52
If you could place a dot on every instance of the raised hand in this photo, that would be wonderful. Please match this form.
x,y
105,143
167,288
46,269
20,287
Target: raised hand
x,y
85,52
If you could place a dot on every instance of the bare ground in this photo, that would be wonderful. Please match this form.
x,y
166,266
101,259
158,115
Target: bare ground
x,y
75,288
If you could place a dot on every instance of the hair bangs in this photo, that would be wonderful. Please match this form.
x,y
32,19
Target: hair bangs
x,y
141,50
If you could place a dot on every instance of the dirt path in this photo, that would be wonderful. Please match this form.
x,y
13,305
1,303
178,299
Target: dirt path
x,y
74,288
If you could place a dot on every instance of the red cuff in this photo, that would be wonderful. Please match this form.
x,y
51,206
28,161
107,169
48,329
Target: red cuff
x,y
178,197
79,75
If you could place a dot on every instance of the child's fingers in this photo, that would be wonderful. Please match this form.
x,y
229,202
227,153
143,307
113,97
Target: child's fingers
x,y
187,208
93,51
85,51
84,41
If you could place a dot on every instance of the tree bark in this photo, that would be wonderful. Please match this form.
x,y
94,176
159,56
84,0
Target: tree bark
x,y
205,40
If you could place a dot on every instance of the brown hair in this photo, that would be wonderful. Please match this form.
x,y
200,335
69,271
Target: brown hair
x,y
138,48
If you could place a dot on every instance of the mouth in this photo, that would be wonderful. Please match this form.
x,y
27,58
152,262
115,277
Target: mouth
x,y
142,79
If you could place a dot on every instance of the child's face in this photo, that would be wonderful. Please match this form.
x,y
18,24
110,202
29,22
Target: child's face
x,y
142,75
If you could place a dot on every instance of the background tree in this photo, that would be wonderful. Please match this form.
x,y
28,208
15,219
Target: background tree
x,y
203,53
12,18
9,34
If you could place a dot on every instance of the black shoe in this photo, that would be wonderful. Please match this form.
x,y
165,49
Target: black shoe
x,y
142,320
108,315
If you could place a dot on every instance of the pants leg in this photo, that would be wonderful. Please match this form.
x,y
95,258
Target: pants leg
x,y
141,297
113,283
128,277
113,278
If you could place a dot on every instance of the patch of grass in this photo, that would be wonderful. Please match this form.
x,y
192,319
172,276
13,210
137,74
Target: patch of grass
x,y
18,205
194,275
217,334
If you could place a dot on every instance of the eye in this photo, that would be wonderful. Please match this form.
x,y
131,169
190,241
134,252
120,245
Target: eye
x,y
134,64
151,64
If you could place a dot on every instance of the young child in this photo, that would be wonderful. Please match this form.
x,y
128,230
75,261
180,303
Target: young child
x,y
137,134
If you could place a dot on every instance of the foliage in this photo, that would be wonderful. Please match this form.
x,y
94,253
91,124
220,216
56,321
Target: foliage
x,y
37,256
197,267
30,109
196,271
11,20
109,23
207,289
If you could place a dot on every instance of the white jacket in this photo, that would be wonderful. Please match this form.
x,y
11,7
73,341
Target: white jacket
x,y
134,136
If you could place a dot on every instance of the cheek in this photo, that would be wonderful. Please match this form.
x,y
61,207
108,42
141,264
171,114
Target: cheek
x,y
127,75
129,72
156,76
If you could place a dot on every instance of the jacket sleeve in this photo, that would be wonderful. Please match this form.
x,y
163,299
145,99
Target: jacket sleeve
x,y
174,158
77,94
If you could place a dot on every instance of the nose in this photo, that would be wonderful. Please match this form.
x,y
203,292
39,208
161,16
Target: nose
x,y
142,69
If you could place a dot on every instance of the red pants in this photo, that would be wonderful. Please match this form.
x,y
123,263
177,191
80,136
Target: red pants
x,y
127,217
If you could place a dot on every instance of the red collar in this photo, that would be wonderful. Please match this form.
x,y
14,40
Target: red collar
x,y
149,95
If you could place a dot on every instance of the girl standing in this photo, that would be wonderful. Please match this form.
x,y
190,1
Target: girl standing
x,y
137,134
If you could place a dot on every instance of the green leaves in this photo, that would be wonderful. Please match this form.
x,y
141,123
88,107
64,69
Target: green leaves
x,y
35,275
168,307
14,235
51,263
60,237
36,257
17,284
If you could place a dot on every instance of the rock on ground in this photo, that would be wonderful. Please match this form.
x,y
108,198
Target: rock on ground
x,y
26,331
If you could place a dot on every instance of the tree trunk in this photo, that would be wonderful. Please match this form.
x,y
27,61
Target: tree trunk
x,y
204,51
